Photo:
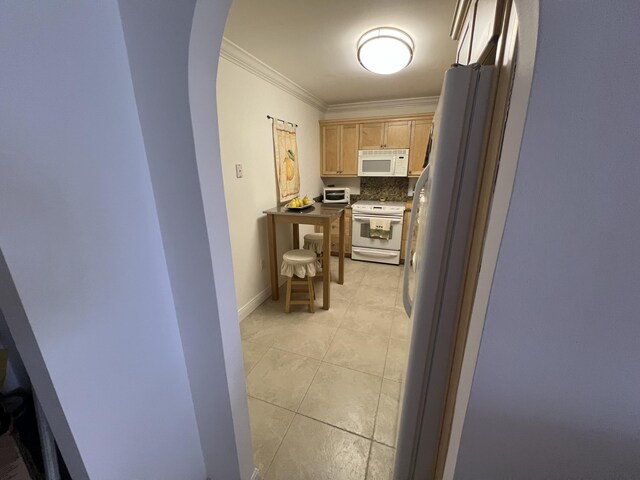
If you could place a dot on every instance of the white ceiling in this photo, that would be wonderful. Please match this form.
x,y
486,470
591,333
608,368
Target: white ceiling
x,y
313,43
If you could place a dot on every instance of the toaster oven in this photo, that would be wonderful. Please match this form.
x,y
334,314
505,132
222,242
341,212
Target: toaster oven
x,y
336,195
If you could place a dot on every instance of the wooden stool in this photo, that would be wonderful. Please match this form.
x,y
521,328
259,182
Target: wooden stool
x,y
313,242
299,263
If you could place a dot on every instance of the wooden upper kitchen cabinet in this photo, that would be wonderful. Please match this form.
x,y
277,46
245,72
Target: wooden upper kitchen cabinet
x,y
398,134
390,134
476,26
339,149
330,146
420,130
340,141
371,135
349,150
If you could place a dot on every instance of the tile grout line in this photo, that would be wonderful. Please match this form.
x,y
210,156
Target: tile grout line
x,y
299,404
257,362
349,303
297,412
317,370
331,363
281,440
375,420
324,423
293,418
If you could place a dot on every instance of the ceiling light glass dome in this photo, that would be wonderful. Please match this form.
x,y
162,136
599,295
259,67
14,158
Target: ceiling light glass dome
x,y
385,50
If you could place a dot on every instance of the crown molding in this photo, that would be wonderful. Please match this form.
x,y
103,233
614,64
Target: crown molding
x,y
240,57
426,103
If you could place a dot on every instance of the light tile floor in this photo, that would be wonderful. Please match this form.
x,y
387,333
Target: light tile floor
x,y
324,387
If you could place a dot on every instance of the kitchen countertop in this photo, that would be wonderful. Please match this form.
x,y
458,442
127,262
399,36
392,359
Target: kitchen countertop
x,y
335,205
316,210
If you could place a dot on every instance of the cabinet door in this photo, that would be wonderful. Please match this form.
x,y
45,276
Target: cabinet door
x,y
335,227
335,244
397,134
419,139
330,149
371,135
349,150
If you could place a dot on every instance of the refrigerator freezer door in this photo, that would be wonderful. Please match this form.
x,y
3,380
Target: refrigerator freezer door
x,y
439,272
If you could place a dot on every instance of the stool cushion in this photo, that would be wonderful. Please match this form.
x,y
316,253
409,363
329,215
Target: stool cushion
x,y
314,237
300,262
313,241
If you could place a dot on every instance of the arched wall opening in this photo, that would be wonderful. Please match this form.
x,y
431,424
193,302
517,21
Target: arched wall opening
x,y
120,139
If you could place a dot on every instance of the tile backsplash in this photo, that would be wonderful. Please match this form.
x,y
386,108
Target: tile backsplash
x,y
392,189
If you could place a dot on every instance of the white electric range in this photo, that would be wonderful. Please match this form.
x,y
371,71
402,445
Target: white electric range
x,y
377,245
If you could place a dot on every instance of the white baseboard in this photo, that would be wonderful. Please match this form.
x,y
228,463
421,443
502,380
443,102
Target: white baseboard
x,y
255,302
256,475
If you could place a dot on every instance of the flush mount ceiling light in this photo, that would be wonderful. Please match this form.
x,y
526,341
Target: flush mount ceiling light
x,y
385,50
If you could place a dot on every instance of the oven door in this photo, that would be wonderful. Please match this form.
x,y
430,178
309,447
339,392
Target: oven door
x,y
361,236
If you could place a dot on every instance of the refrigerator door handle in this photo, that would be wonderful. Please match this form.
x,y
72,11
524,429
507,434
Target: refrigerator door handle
x,y
422,180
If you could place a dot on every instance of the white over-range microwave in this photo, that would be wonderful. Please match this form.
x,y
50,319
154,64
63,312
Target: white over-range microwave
x,y
383,163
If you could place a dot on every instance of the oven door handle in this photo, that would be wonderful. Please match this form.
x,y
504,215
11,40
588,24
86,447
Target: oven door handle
x,y
362,218
374,254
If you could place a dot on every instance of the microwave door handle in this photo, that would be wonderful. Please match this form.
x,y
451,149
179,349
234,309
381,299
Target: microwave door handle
x,y
406,300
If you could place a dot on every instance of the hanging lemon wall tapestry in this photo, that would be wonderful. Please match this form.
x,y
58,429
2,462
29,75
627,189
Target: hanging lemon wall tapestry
x,y
286,158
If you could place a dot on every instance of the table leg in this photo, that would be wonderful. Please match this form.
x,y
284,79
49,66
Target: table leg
x,y
326,262
296,235
273,256
341,250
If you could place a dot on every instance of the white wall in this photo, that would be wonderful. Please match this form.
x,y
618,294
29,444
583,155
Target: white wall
x,y
95,320
556,388
162,49
244,101
206,36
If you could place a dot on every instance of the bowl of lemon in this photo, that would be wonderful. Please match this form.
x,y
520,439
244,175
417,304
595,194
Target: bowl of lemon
x,y
300,203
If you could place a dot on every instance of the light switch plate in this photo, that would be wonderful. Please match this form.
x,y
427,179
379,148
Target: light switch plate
x,y
238,170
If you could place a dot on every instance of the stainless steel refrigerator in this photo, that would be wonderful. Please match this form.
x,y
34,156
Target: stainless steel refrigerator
x,y
434,272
